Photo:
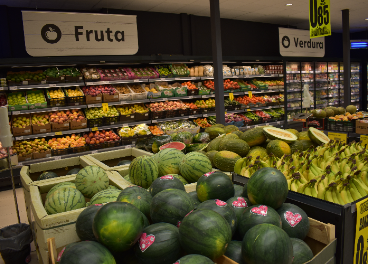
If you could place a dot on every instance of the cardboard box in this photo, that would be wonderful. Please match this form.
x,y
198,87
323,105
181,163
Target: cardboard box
x,y
24,158
78,125
22,131
93,99
111,98
361,127
42,155
55,127
41,129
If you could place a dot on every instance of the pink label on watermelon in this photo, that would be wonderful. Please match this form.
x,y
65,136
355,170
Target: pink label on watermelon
x,y
98,204
220,203
188,213
292,219
240,203
178,224
260,210
60,254
146,241
178,262
167,177
208,173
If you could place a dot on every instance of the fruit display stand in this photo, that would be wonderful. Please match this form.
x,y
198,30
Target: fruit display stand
x,y
108,160
62,225
343,217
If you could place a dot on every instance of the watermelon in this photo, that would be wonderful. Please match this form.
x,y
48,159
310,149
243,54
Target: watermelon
x,y
62,184
112,187
211,154
214,185
90,180
105,196
238,190
47,175
145,220
205,232
225,160
165,182
301,251
138,197
177,145
194,197
89,252
124,162
168,161
267,244
239,204
255,215
159,141
66,248
254,136
118,226
84,223
233,251
184,181
267,186
126,257
127,178
193,165
195,147
170,206
64,199
143,171
224,209
73,171
194,259
159,244
295,221
201,138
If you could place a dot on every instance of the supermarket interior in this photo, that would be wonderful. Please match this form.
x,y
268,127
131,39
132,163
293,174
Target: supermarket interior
x,y
189,132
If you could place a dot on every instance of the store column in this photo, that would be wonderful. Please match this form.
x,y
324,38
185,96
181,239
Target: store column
x,y
346,55
217,61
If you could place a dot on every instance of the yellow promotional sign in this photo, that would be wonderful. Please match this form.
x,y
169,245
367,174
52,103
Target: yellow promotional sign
x,y
58,133
361,233
319,18
105,107
250,94
231,96
94,128
338,137
364,140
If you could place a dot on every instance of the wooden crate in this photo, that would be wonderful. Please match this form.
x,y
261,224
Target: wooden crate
x,y
108,160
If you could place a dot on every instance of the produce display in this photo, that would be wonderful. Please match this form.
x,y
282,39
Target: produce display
x,y
4,153
21,121
189,85
209,103
98,112
24,148
66,142
99,89
26,76
3,101
74,92
136,108
34,98
202,122
56,93
165,106
100,137
16,99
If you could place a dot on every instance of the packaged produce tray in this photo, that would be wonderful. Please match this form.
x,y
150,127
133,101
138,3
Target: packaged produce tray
x,y
343,126
52,102
75,100
18,107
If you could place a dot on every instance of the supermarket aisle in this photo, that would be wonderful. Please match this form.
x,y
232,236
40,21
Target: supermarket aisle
x,y
8,215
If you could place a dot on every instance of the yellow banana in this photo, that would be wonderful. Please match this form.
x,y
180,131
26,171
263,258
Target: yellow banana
x,y
294,186
328,195
308,190
358,187
354,194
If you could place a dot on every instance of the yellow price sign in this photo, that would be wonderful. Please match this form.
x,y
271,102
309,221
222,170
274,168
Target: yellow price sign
x,y
338,137
231,96
58,133
364,140
361,232
319,18
248,110
105,107
250,94
94,129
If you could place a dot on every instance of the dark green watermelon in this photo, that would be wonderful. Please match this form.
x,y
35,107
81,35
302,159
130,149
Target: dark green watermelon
x,y
170,206
238,190
73,171
146,221
245,191
214,185
194,196
204,232
224,209
267,244
194,259
89,252
233,251
47,175
159,244
301,251
118,226
267,186
255,215
239,204
124,162
126,257
66,248
137,196
84,223
295,221
165,182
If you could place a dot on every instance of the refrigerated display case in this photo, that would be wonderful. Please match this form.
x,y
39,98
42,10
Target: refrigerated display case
x,y
355,84
293,88
322,85
307,76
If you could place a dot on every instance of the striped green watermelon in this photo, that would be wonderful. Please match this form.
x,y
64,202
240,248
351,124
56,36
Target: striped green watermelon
x,y
138,197
194,165
127,178
66,248
168,161
84,223
184,181
62,184
105,196
214,185
204,232
194,259
112,187
73,171
90,180
89,252
143,171
165,182
194,197
170,206
47,175
118,226
64,199
159,244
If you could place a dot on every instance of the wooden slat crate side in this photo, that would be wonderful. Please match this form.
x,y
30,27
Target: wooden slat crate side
x,y
321,232
54,164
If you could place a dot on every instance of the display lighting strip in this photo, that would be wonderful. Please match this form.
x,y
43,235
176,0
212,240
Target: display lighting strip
x,y
359,44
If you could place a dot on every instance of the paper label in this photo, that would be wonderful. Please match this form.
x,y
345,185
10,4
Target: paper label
x,y
338,137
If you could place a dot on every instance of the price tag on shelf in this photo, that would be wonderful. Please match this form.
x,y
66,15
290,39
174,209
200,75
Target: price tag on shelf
x,y
1,88
94,128
190,97
58,133
52,85
94,151
127,146
57,158
248,109
55,108
250,94
192,116
136,80
20,163
16,112
105,107
154,121
338,137
205,115
19,138
13,87
231,96
205,96
105,82
364,140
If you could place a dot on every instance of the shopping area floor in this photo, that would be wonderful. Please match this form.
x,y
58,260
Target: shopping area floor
x,y
8,215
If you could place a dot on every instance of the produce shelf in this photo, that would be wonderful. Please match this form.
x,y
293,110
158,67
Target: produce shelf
x,y
67,132
13,88
46,109
116,82
175,79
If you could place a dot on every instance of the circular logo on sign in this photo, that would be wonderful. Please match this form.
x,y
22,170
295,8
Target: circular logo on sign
x,y
285,42
51,33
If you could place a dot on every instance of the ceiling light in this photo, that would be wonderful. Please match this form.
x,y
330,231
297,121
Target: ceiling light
x,y
366,19
289,4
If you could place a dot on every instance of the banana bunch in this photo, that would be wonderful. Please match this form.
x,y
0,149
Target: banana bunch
x,y
334,172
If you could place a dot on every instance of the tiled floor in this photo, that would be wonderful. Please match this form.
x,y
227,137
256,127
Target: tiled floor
x,y
8,215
